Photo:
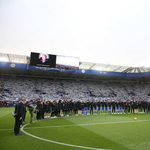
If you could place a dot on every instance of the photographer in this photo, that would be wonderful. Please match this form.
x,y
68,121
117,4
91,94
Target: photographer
x,y
31,109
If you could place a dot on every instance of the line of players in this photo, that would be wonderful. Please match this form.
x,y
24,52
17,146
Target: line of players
x,y
63,108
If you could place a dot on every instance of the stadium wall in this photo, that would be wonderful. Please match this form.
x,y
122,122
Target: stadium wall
x,y
80,71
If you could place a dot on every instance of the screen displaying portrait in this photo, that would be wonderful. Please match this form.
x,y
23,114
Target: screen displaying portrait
x,y
43,57
43,60
54,61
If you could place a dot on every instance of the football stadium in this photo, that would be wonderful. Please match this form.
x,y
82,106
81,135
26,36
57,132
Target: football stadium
x,y
74,75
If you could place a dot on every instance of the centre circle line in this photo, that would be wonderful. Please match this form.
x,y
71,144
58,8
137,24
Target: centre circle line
x,y
71,145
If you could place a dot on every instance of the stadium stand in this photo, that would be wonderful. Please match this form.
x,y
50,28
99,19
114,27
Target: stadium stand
x,y
18,79
14,88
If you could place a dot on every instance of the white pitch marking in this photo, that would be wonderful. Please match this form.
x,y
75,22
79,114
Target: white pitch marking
x,y
77,125
58,142
6,129
84,124
67,126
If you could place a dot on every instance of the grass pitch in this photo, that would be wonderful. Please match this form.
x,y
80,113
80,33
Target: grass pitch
x,y
115,132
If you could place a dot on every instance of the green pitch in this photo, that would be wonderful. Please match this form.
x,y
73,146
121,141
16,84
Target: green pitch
x,y
116,132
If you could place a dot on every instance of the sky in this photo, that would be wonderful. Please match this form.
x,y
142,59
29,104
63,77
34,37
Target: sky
x,y
115,32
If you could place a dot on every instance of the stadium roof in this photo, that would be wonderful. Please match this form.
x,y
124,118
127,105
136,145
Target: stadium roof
x,y
82,65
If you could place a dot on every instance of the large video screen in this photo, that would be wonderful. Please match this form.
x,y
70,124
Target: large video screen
x,y
54,61
67,62
43,60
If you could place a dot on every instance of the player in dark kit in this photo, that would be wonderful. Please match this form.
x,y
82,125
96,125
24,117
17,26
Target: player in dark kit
x,y
39,110
113,106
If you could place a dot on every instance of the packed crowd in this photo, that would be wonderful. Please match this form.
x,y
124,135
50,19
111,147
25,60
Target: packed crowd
x,y
13,89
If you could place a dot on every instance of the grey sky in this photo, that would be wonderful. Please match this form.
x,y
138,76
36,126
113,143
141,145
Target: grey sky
x,y
103,31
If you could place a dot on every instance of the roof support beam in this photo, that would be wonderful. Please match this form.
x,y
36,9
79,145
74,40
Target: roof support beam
x,y
143,69
107,66
134,70
118,68
8,58
138,69
80,63
128,70
92,66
